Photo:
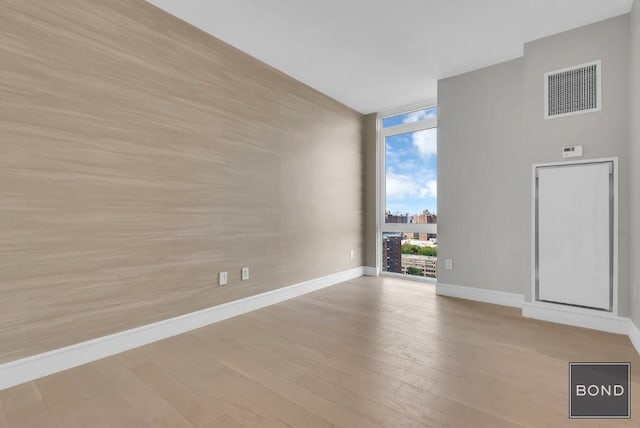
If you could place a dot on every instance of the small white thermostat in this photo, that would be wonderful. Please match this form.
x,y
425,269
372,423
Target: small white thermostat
x,y
572,152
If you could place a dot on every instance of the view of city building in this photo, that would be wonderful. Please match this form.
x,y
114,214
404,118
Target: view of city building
x,y
397,218
425,217
410,253
419,265
392,252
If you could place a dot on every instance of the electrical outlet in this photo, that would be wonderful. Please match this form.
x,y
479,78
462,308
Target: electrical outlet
x,y
448,264
353,254
222,279
245,273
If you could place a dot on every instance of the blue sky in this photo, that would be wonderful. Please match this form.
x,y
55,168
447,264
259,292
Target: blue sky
x,y
411,168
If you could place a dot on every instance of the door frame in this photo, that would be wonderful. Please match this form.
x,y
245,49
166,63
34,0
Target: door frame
x,y
615,261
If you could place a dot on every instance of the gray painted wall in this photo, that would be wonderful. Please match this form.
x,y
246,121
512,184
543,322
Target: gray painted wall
x,y
492,130
483,198
604,133
634,159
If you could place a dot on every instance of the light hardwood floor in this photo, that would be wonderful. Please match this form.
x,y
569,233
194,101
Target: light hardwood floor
x,y
371,352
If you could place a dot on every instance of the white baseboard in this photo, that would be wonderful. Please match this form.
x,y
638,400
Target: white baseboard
x,y
577,317
26,369
370,271
634,335
560,314
480,295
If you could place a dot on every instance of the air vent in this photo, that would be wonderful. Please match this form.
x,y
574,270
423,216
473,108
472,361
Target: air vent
x,y
573,90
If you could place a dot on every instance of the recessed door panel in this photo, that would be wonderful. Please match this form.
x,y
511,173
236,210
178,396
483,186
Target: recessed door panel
x,y
574,234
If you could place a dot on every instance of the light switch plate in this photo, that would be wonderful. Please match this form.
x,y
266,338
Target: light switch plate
x,y
245,273
222,279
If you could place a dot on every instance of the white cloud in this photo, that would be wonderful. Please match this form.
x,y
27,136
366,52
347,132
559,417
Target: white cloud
x,y
426,142
419,115
431,190
409,165
399,186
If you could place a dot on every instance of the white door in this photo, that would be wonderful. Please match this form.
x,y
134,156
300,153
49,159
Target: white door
x,y
574,234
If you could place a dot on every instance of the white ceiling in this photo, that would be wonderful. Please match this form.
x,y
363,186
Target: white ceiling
x,y
374,55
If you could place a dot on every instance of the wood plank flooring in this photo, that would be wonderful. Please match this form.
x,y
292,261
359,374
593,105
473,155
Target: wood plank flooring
x,y
371,352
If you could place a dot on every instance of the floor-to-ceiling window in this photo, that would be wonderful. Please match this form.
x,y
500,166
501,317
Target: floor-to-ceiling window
x,y
408,242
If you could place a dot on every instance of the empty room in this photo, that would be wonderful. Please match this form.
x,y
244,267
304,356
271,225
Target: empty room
x,y
340,214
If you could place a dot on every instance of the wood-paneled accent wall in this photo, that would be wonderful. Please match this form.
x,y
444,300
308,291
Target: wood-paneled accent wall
x,y
140,156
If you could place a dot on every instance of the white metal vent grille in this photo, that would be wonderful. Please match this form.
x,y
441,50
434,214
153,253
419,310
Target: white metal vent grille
x,y
573,90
